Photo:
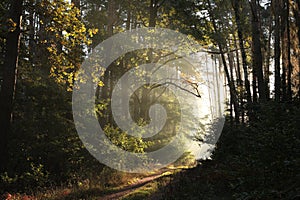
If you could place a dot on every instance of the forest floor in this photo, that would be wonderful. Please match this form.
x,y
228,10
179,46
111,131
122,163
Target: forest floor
x,y
259,161
118,194
145,185
139,187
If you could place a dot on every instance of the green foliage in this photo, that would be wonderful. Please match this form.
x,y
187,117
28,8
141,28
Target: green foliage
x,y
44,143
122,140
36,175
67,33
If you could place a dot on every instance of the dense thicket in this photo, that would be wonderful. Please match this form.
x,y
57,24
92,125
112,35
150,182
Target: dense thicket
x,y
258,161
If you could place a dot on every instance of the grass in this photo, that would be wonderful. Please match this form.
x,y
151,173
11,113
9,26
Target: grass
x,y
151,189
143,192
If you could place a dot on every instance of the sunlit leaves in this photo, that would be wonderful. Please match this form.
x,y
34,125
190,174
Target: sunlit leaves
x,y
68,37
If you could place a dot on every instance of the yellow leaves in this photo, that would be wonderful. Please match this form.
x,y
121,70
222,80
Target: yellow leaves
x,y
100,84
50,49
89,42
68,33
145,56
90,33
172,12
60,9
11,22
51,29
93,32
12,25
82,29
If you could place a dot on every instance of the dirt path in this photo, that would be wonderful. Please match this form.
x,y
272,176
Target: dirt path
x,y
122,192
129,189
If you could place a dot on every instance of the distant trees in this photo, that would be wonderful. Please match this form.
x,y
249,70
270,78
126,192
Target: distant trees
x,y
263,32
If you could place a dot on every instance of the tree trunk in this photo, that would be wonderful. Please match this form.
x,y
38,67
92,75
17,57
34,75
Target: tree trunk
x,y
236,6
32,33
145,96
77,51
239,80
297,18
276,4
233,93
230,60
108,74
111,17
128,21
254,86
238,68
283,52
9,80
290,67
267,61
256,52
153,13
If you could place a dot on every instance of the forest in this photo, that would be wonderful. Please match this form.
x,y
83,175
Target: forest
x,y
52,58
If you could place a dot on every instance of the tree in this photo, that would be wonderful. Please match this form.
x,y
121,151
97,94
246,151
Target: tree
x,y
256,51
9,77
276,10
288,51
296,11
236,7
233,93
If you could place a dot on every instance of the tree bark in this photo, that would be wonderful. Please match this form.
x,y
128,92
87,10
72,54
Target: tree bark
x,y
111,17
239,80
267,60
256,52
233,93
145,94
128,21
254,86
284,61
296,11
276,4
9,80
111,70
230,60
153,13
77,51
236,6
290,67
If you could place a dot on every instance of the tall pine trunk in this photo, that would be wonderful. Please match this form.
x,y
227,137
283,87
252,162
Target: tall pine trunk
x,y
297,17
233,93
239,80
236,7
296,11
267,60
277,9
145,94
284,61
9,79
256,52
290,67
